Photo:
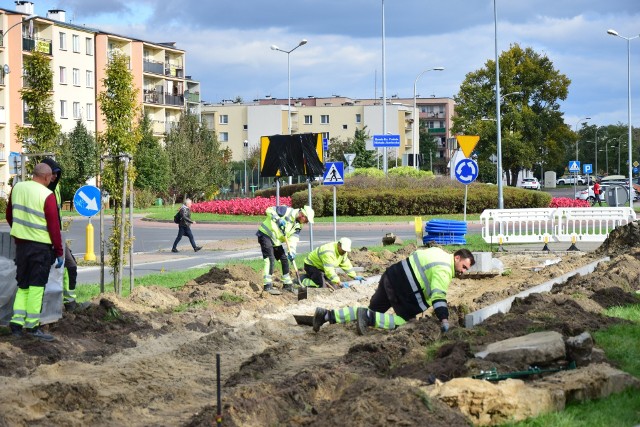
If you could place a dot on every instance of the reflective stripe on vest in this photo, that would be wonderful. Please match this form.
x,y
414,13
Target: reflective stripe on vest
x,y
29,222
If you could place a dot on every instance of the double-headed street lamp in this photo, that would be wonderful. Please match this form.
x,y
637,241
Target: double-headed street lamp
x,y
416,115
288,52
628,39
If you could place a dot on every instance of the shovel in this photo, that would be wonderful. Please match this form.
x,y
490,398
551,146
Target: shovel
x,y
303,319
295,267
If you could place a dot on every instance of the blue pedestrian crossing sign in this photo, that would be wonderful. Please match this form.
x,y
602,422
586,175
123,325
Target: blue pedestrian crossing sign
x,y
333,174
574,166
466,171
587,169
87,200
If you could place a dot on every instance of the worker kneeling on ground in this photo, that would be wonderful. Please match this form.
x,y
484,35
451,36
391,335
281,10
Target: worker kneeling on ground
x,y
322,262
281,226
409,287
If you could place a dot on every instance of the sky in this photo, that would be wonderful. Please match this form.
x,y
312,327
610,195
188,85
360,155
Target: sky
x,y
228,45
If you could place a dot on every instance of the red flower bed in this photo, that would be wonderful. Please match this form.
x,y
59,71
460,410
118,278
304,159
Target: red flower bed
x,y
566,202
255,206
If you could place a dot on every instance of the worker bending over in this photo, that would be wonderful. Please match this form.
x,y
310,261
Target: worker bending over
x,y
322,262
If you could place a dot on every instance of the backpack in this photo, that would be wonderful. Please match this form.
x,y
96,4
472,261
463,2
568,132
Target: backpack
x,y
177,217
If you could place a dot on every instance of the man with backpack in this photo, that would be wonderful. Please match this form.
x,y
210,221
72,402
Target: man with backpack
x,y
183,219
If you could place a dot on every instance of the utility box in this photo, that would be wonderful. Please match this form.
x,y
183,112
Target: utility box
x,y
549,179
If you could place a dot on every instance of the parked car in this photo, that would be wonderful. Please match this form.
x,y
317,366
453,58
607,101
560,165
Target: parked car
x,y
588,194
571,179
530,183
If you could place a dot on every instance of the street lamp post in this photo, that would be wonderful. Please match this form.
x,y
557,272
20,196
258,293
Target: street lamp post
x,y
577,123
596,139
385,167
498,126
628,39
246,148
416,115
575,182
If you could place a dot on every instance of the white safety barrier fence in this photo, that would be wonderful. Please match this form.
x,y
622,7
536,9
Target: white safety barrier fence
x,y
548,225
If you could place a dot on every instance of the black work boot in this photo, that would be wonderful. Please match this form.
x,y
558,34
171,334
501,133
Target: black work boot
x,y
38,334
363,322
16,330
273,291
288,287
319,318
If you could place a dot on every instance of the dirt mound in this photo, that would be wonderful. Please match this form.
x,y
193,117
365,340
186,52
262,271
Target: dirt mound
x,y
621,239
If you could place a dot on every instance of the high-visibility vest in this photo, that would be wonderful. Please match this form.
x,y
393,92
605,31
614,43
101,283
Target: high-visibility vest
x,y
434,269
27,202
291,229
327,259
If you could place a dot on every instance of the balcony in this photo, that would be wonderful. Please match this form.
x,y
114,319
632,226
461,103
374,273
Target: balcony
x,y
192,97
174,70
36,44
153,97
174,100
437,130
3,117
153,67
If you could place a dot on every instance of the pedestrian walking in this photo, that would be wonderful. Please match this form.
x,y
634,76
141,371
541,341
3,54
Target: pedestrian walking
x,y
597,189
32,213
184,227
409,287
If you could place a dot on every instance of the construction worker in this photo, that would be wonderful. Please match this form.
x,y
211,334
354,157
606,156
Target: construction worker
x,y
32,213
70,277
322,262
409,287
281,226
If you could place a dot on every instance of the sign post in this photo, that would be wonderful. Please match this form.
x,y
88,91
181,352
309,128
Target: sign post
x,y
87,201
466,171
333,175
574,168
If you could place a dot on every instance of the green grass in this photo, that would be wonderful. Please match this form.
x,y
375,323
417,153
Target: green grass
x,y
621,344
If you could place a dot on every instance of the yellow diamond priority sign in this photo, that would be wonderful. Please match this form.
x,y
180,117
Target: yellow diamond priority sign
x,y
467,143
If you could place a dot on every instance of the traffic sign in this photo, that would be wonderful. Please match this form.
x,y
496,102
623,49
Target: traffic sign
x,y
386,141
466,171
635,164
467,143
349,157
574,166
635,170
87,200
333,174
325,144
587,168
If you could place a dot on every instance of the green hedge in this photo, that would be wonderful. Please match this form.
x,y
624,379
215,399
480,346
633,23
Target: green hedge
x,y
3,205
358,200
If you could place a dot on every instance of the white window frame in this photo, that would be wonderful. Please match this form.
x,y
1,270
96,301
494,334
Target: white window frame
x,y
324,119
63,41
89,77
89,46
224,119
89,111
76,110
325,135
308,119
63,75
76,43
223,136
76,76
63,109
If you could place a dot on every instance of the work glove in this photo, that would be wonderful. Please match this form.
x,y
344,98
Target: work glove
x,y
444,327
360,278
344,284
291,256
281,223
59,261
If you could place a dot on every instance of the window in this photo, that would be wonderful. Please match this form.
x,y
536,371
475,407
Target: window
x,y
63,109
344,127
224,136
76,110
89,78
325,135
308,120
89,111
324,119
245,127
76,77
89,45
224,119
63,75
76,43
63,41
358,118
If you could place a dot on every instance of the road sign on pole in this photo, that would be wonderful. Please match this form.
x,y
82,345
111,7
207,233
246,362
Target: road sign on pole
x,y
386,140
587,168
466,171
574,166
87,200
333,174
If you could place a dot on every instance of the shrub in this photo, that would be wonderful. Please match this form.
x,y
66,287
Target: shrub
x,y
143,198
244,206
566,202
285,190
3,205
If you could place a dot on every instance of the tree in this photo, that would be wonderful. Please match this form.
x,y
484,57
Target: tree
x,y
200,166
533,129
37,93
356,145
152,161
78,159
120,108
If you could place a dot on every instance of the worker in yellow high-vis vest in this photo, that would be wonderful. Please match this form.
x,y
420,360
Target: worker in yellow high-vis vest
x,y
70,277
321,263
409,287
32,213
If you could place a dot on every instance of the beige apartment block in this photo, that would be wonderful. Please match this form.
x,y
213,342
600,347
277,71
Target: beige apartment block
x,y
334,117
79,57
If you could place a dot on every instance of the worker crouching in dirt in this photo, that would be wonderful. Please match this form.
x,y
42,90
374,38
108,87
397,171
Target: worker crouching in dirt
x,y
322,262
409,287
282,226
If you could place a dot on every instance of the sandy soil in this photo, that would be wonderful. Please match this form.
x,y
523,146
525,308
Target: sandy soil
x,y
150,359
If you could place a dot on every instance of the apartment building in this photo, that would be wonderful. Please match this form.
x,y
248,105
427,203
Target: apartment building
x,y
333,117
79,56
